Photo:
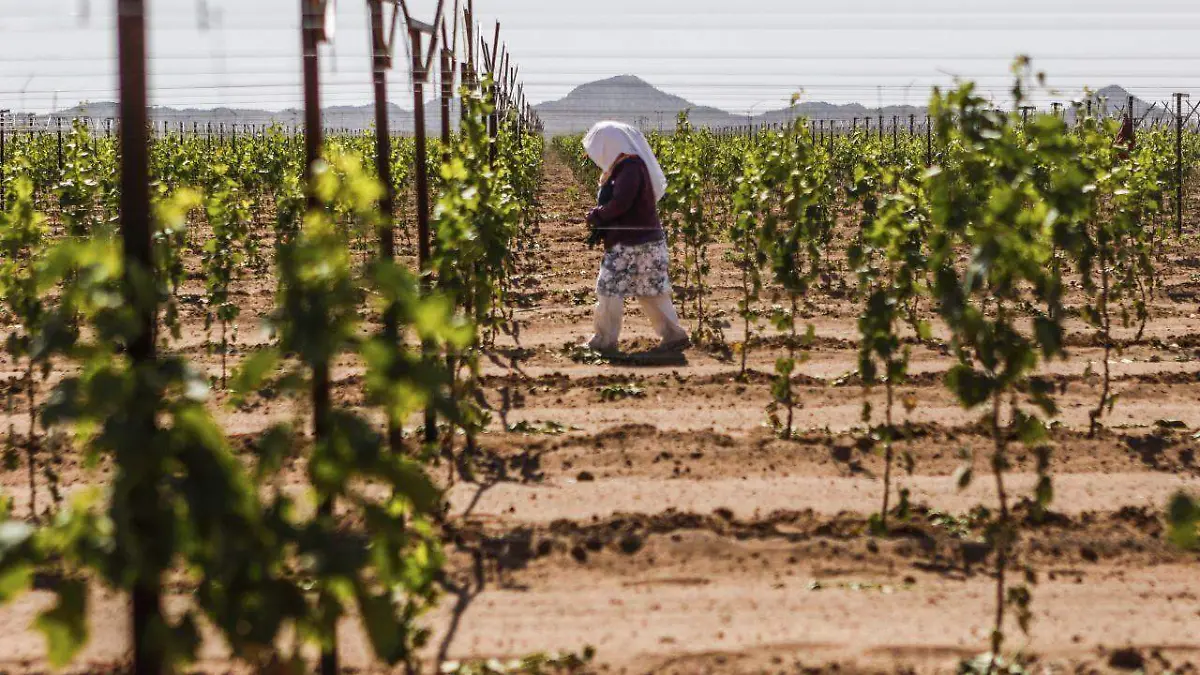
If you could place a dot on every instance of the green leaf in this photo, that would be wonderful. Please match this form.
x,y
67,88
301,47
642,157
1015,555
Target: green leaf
x,y
1044,492
924,330
384,627
185,639
1029,430
1049,335
875,525
65,624
273,448
16,574
1183,521
253,371
971,388
15,579
414,483
433,318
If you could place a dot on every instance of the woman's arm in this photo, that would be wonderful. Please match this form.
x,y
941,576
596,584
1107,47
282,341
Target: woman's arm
x,y
627,184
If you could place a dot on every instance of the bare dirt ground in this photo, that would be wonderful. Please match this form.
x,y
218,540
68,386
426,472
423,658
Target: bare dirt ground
x,y
673,532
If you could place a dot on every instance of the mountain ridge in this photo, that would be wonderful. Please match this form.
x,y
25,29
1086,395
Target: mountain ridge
x,y
624,98
639,103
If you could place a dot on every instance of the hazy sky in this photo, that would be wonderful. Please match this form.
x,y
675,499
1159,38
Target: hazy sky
x,y
734,55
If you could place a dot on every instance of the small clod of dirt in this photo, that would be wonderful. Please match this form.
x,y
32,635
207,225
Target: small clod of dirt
x,y
974,553
1127,659
630,544
579,554
842,452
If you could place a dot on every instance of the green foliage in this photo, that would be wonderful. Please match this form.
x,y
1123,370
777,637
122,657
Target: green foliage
x,y
483,211
752,201
23,244
387,570
1183,521
188,503
1112,243
890,259
171,212
797,228
687,209
256,564
65,625
570,149
223,256
475,221
1004,193
79,186
23,241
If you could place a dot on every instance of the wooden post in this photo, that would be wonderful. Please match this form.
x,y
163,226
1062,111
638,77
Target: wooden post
x,y
380,62
420,75
137,247
447,73
312,19
420,170
493,59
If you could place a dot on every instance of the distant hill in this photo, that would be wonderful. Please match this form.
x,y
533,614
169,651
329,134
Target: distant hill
x,y
632,100
624,98
628,99
1112,100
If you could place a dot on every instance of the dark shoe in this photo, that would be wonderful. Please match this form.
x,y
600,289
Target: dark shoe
x,y
605,352
674,346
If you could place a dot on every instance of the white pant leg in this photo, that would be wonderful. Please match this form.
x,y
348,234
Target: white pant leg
x,y
661,312
609,311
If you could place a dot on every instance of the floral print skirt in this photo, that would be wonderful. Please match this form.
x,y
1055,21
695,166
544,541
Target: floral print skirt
x,y
635,271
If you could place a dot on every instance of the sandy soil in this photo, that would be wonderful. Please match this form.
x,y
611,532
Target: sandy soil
x,y
674,533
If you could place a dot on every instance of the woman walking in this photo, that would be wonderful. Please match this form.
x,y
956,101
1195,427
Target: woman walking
x,y
635,247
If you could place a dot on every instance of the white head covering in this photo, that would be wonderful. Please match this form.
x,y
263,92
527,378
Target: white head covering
x,y
609,140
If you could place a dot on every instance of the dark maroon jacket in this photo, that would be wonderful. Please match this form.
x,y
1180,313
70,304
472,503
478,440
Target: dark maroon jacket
x,y
630,215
